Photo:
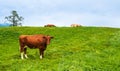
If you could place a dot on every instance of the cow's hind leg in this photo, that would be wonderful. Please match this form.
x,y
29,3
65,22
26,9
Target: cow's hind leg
x,y
22,51
25,49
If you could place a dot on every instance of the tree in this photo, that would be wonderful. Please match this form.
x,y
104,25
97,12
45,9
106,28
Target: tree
x,y
15,19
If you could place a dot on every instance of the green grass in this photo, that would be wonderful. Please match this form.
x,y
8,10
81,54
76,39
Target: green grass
x,y
72,49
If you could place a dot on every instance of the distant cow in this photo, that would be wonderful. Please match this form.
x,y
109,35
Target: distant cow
x,y
33,41
75,25
49,25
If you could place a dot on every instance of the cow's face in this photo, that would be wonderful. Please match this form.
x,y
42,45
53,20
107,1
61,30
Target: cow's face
x,y
48,39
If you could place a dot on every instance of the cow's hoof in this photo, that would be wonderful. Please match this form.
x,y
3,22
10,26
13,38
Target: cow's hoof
x,y
40,57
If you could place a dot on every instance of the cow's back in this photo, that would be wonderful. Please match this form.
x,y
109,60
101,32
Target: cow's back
x,y
33,41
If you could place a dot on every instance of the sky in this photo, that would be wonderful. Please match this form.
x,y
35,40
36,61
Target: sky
x,y
100,13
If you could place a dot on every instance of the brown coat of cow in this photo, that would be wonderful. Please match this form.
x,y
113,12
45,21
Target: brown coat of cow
x,y
49,25
33,41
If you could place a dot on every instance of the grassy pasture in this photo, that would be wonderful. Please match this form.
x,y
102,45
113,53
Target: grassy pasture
x,y
72,49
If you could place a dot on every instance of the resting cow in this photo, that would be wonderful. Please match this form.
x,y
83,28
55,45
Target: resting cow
x,y
49,25
75,25
33,41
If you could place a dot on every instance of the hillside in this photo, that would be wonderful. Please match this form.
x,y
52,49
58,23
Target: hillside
x,y
72,49
4,24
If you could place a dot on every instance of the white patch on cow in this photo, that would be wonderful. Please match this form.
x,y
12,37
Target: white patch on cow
x,y
22,55
26,56
40,56
25,47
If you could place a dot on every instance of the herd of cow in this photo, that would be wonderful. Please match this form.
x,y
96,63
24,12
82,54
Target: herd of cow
x,y
38,41
52,25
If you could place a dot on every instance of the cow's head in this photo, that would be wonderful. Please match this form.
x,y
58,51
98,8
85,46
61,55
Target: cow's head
x,y
48,38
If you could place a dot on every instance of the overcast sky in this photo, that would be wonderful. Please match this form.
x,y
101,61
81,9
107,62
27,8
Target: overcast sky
x,y
105,13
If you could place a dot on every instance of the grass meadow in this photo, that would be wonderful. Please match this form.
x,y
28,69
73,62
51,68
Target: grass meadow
x,y
72,49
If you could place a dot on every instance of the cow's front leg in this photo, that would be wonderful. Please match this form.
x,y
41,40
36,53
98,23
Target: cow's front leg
x,y
41,53
25,49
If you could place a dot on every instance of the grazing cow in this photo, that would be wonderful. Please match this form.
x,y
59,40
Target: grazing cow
x,y
49,25
33,41
75,25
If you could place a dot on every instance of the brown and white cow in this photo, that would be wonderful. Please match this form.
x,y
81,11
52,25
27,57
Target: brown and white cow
x,y
49,25
33,41
75,25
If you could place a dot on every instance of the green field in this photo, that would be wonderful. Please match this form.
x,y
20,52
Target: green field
x,y
72,49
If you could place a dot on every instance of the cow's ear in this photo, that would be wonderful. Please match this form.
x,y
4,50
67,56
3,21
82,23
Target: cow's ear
x,y
44,36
